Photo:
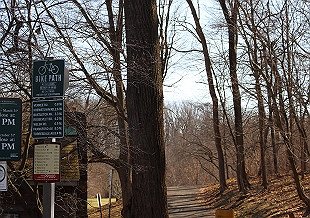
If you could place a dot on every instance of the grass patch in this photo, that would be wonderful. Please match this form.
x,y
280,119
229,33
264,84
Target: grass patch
x,y
93,203
94,212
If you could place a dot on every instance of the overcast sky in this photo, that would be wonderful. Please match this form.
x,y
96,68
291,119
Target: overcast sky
x,y
185,87
186,78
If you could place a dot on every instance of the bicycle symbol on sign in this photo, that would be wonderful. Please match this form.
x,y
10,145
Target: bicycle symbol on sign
x,y
51,68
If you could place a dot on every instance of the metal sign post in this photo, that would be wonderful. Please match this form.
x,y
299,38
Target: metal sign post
x,y
49,198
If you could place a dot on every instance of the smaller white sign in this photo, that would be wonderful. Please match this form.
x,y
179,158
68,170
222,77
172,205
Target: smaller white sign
x,y
3,176
46,162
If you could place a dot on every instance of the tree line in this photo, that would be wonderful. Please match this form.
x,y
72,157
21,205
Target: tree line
x,y
119,54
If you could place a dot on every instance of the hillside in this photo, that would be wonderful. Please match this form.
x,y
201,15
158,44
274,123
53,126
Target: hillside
x,y
279,200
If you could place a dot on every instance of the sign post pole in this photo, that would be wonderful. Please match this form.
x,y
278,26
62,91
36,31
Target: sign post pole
x,y
49,198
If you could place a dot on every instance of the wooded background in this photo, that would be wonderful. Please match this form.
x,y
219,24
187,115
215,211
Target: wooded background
x,y
252,56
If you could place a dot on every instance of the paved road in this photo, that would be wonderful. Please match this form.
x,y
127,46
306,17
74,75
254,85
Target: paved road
x,y
187,202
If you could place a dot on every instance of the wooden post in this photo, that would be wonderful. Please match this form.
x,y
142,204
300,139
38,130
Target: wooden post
x,y
110,191
99,204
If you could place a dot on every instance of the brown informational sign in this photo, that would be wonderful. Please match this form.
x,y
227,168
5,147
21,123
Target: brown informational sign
x,y
46,163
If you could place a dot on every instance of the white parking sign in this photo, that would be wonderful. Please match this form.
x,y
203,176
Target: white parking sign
x,y
3,176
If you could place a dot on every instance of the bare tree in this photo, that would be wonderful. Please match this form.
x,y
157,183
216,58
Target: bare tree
x,y
145,109
215,104
274,59
17,43
190,144
231,21
254,54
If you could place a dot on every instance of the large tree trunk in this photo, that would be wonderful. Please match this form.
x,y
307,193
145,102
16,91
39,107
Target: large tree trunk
x,y
123,168
124,176
272,132
253,53
145,110
231,19
215,105
262,131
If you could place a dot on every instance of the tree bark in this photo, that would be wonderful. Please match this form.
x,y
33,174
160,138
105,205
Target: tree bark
x,y
272,132
260,98
123,169
145,109
231,19
125,180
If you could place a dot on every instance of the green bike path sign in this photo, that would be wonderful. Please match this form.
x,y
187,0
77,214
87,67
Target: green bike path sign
x,y
10,128
48,78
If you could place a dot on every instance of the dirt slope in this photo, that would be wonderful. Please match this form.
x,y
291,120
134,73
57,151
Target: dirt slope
x,y
279,200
